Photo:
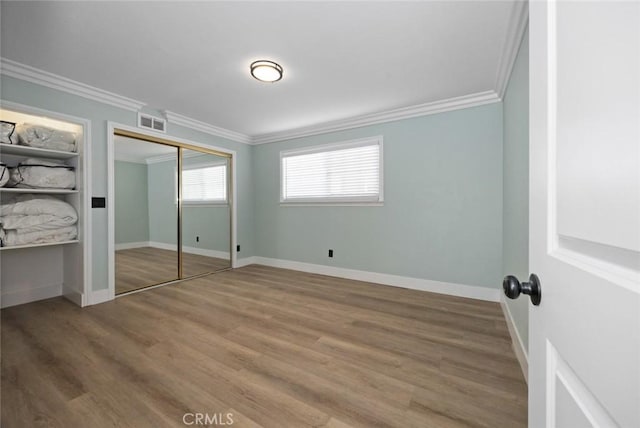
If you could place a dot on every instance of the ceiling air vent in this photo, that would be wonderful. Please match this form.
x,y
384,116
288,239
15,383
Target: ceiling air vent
x,y
150,122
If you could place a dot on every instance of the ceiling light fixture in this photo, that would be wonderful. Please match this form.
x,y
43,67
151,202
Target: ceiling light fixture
x,y
266,71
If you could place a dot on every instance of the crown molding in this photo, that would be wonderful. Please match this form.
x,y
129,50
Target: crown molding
x,y
207,128
434,107
44,78
172,157
121,157
515,32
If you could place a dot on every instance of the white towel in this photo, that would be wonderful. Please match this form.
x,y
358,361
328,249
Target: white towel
x,y
36,213
8,133
11,238
36,173
46,138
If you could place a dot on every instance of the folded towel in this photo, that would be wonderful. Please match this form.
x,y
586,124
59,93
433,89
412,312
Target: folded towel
x,y
7,132
35,173
36,213
10,238
46,138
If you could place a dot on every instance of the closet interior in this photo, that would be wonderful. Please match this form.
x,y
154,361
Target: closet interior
x,y
172,211
43,226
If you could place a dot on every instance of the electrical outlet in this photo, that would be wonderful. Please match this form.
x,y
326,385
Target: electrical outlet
x,y
330,253
197,239
238,248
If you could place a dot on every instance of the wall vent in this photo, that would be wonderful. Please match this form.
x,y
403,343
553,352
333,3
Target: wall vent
x,y
150,122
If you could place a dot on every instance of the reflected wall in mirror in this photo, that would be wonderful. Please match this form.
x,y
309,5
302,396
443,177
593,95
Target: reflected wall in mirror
x,y
146,213
206,213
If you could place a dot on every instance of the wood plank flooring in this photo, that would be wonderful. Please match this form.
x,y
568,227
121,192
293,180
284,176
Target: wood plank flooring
x,y
272,347
140,267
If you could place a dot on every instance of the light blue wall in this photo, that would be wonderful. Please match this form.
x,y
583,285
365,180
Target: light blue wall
x,y
23,92
163,211
516,184
442,214
131,207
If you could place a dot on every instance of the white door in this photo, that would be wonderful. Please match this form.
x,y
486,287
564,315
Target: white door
x,y
585,214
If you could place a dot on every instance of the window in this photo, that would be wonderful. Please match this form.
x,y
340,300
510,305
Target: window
x,y
204,184
349,172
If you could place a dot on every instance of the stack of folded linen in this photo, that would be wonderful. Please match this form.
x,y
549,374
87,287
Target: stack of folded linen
x,y
35,173
46,138
8,134
4,174
36,219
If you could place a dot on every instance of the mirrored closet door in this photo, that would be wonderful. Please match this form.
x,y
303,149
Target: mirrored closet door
x,y
172,212
206,216
146,213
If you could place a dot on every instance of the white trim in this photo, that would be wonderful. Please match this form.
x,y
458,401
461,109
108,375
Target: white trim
x,y
246,261
434,107
32,294
189,250
207,128
44,78
111,126
449,288
516,341
332,203
515,32
60,83
100,296
130,245
74,295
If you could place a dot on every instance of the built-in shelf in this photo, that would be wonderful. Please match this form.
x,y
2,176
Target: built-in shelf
x,y
24,190
48,244
18,150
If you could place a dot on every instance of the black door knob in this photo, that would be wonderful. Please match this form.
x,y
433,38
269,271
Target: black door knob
x,y
512,288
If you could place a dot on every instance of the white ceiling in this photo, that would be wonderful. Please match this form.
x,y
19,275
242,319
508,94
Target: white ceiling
x,y
341,59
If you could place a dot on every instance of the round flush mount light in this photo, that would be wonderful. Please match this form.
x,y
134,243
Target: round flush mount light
x,y
266,71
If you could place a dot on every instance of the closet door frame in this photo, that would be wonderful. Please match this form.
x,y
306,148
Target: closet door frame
x,y
114,128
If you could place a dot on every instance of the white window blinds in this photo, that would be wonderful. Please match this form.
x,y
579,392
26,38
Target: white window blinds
x,y
204,184
345,172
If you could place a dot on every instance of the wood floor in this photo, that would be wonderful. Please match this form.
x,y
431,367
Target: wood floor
x,y
141,267
272,347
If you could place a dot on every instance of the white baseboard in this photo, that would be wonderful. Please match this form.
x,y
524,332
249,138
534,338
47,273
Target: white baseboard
x,y
516,341
461,290
189,250
173,247
18,297
208,253
130,245
100,296
74,295
245,261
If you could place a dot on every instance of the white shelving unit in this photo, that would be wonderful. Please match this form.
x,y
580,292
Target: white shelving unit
x,y
46,191
39,271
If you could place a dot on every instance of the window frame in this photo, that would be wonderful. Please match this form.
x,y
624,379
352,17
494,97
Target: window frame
x,y
336,201
208,203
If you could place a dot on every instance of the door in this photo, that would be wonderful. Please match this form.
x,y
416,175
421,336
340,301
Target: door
x,y
584,362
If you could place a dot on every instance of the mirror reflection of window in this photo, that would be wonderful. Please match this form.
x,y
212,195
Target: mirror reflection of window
x,y
204,184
